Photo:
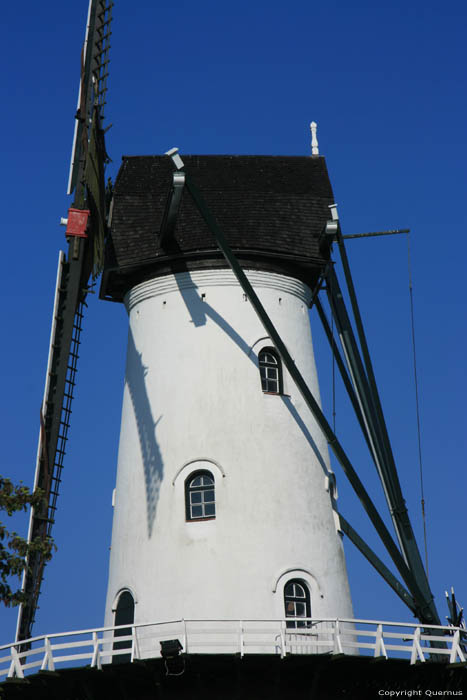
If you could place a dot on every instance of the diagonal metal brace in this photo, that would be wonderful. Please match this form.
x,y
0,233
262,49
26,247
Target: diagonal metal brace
x,y
375,561
172,207
344,374
372,427
388,471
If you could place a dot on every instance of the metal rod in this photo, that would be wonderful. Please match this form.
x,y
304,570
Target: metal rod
x,y
365,395
342,369
377,233
375,561
355,365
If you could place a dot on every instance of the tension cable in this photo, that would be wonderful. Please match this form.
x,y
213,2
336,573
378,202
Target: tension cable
x,y
420,462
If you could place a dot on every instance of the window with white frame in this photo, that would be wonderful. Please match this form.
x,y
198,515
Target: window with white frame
x,y
200,497
297,603
270,370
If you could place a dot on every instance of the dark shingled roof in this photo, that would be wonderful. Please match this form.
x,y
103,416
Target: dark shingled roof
x,y
272,210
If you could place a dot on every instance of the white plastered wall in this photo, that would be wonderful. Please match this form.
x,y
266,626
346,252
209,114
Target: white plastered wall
x,y
193,400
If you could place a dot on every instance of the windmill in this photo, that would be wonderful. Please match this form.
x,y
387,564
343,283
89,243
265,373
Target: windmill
x,y
359,378
132,270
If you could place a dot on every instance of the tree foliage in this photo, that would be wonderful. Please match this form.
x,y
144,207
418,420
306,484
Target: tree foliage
x,y
14,549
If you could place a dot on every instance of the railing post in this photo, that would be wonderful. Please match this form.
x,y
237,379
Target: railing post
x,y
417,652
337,638
134,644
283,649
96,657
48,660
242,651
185,637
380,649
454,642
456,650
15,666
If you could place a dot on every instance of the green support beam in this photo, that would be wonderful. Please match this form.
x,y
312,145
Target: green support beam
x,y
392,485
380,567
342,369
372,427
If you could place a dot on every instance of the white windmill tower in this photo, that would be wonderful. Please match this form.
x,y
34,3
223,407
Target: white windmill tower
x,y
224,500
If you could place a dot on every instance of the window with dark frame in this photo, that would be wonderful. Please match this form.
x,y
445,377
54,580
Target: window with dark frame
x,y
297,604
200,499
124,615
270,370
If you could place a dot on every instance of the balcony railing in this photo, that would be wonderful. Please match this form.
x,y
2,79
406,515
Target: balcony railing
x,y
104,645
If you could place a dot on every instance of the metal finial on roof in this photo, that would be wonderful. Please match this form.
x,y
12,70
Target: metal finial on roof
x,y
177,161
314,140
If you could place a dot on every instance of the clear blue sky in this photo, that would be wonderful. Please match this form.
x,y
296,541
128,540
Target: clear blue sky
x,y
386,84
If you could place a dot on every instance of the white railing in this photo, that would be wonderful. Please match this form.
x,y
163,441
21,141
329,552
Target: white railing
x,y
336,636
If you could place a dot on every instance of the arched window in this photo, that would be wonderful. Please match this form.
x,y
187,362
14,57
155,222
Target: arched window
x,y
200,499
124,615
297,603
270,370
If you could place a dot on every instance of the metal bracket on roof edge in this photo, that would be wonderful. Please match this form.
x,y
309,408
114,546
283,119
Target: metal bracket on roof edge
x,y
172,206
329,232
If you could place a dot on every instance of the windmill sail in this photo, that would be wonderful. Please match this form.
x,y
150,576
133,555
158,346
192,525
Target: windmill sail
x,y
86,228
